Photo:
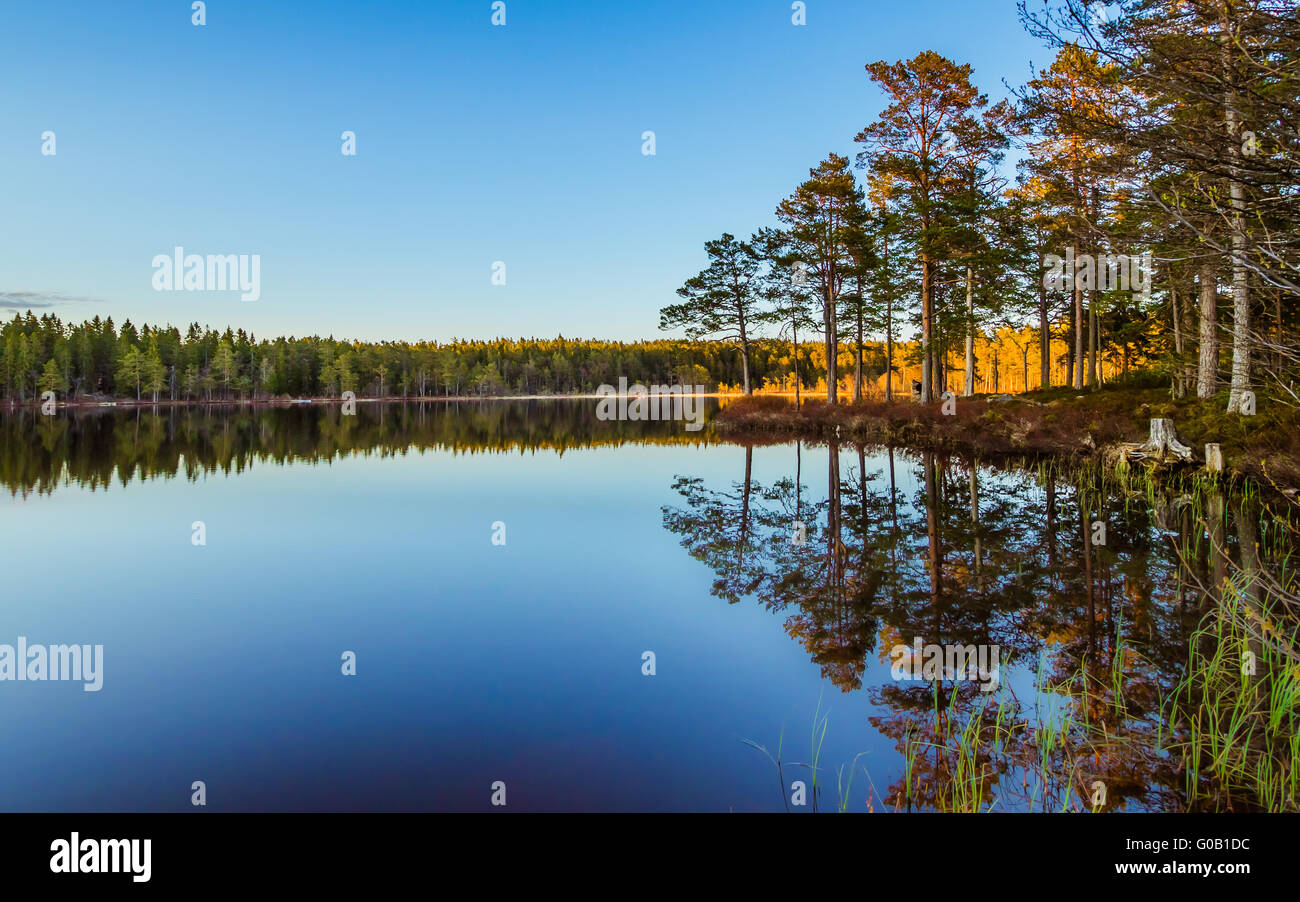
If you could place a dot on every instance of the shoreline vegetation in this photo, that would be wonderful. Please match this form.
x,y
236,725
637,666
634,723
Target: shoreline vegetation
x,y
1059,422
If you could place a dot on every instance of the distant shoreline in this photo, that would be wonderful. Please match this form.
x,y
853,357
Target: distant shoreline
x,y
131,403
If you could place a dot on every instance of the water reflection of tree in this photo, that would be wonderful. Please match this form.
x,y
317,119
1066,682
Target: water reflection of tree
x,y
751,537
981,556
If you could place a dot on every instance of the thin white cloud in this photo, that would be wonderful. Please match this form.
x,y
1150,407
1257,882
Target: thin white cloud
x,y
22,300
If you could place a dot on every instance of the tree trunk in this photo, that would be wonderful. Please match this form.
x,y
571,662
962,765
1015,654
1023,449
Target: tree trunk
x,y
794,329
1277,317
1208,358
1078,330
1094,343
889,334
938,359
857,374
832,348
1044,332
1240,298
1179,389
927,387
744,361
969,388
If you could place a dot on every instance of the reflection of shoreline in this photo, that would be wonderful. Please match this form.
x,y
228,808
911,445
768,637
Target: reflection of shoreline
x,y
97,445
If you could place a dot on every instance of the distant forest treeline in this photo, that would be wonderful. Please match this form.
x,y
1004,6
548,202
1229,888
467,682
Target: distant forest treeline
x,y
96,359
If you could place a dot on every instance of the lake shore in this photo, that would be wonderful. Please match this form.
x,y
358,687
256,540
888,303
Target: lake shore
x,y
1057,422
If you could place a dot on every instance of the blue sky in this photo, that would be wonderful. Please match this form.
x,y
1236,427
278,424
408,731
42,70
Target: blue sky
x,y
475,144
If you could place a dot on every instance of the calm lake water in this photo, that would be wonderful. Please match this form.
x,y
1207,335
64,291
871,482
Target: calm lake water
x,y
522,662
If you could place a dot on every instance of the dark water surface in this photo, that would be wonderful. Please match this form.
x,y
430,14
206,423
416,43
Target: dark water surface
x,y
522,662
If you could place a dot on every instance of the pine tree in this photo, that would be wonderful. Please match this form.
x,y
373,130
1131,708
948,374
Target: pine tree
x,y
823,218
722,300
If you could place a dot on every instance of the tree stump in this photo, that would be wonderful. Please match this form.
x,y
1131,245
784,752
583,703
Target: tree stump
x,y
1161,445
1213,458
